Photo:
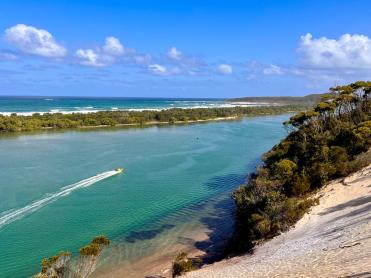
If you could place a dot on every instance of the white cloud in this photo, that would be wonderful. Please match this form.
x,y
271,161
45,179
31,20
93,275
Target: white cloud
x,y
102,56
273,70
34,41
113,47
174,54
89,57
225,69
349,51
157,69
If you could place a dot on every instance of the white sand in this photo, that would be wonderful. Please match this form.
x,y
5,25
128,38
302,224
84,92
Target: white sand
x,y
333,240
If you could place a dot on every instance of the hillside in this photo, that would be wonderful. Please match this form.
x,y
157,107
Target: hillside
x,y
329,142
332,240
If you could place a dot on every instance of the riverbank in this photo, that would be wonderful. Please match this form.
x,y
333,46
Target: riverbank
x,y
332,240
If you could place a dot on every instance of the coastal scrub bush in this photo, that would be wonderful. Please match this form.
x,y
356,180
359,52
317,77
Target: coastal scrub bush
x,y
329,141
60,266
56,263
95,246
183,264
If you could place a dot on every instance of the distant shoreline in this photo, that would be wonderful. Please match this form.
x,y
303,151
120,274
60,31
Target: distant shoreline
x,y
29,105
105,119
165,123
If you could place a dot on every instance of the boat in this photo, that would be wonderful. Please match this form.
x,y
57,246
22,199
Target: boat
x,y
119,170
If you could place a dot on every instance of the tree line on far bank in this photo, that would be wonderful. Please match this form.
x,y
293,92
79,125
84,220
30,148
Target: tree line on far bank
x,y
16,123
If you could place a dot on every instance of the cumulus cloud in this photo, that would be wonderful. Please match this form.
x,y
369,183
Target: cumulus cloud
x,y
273,70
349,51
89,57
174,54
157,69
324,60
31,40
113,47
225,69
102,56
34,41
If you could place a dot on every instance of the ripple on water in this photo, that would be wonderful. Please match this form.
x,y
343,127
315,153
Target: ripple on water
x,y
171,189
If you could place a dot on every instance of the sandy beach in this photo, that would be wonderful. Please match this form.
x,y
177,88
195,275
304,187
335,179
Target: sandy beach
x,y
332,240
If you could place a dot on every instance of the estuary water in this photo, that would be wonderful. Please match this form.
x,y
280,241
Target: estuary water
x,y
57,189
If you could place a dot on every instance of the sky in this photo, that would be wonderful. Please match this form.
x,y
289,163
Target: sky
x,y
174,48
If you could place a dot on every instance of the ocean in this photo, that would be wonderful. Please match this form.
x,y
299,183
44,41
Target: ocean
x,y
30,105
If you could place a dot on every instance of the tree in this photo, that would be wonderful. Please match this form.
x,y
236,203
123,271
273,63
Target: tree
x,y
61,266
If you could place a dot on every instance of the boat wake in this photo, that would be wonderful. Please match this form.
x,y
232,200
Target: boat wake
x,y
12,215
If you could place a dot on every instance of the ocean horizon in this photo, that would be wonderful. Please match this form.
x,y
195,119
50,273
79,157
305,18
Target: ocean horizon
x,y
28,105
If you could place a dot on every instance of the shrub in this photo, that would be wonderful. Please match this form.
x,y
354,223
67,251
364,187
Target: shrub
x,y
183,264
262,225
101,240
327,142
300,185
59,266
95,246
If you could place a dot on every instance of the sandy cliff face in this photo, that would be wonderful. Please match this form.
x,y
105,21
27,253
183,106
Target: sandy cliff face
x,y
333,240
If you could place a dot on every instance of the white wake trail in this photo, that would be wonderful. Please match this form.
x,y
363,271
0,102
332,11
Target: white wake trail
x,y
13,215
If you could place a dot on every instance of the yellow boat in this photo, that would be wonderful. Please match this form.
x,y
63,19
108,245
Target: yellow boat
x,y
119,170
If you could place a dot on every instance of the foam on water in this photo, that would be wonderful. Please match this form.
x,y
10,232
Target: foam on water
x,y
12,215
176,104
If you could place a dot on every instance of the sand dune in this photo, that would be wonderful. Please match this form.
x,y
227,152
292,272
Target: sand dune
x,y
333,240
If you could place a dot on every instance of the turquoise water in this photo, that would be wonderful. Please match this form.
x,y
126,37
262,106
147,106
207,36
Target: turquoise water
x,y
30,105
172,173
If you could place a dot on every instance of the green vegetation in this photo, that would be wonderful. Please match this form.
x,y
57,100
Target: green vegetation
x,y
61,265
327,142
57,263
183,264
308,100
95,246
37,121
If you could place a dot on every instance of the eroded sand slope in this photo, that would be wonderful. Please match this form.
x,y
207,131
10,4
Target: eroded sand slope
x,y
333,240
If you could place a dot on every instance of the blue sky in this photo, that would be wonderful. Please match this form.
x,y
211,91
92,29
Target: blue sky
x,y
182,48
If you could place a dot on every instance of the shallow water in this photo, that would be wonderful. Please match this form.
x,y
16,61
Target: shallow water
x,y
172,176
